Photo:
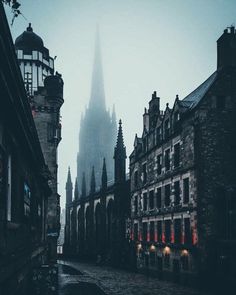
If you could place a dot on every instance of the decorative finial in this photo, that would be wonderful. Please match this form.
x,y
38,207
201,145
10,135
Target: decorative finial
x,y
167,104
120,122
29,29
177,97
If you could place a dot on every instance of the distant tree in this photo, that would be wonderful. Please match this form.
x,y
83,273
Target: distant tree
x,y
15,5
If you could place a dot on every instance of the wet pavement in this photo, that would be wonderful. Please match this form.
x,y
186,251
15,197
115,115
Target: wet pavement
x,y
74,282
97,280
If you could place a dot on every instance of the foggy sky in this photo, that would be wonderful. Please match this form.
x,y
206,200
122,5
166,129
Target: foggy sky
x,y
163,45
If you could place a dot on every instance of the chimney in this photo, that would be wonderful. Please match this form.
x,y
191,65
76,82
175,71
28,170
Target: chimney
x,y
145,120
226,49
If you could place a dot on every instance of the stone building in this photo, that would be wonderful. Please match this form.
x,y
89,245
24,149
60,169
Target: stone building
x,y
96,222
24,176
45,90
183,176
97,129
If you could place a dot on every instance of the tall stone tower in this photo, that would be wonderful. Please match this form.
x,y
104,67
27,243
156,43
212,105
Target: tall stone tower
x,y
97,130
45,90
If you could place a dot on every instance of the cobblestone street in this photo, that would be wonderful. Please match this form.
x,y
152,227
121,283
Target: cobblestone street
x,y
118,282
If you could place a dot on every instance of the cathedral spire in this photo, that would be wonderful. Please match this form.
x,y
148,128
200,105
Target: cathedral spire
x,y
120,156
69,188
104,175
93,182
97,99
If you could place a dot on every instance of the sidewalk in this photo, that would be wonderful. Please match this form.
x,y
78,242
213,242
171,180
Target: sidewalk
x,y
119,282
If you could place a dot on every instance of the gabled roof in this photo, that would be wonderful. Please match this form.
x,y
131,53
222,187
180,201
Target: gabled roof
x,y
191,100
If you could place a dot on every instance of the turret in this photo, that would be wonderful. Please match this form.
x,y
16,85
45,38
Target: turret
x,y
120,157
226,49
54,87
34,59
69,188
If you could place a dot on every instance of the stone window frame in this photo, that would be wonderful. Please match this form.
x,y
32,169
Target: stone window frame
x,y
165,150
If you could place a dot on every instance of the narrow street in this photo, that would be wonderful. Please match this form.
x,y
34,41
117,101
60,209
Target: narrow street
x,y
89,279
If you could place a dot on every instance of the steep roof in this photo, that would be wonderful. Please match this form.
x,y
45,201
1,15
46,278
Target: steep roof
x,y
192,100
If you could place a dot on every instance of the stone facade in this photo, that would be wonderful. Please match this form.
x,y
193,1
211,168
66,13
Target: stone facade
x,y
45,90
96,223
24,176
183,178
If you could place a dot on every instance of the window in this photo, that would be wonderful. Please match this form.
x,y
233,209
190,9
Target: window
x,y
186,191
144,173
159,231
187,231
167,195
136,178
136,204
176,155
136,231
167,128
144,231
167,159
176,117
152,231
177,192
177,228
145,202
159,166
151,200
158,135
158,196
27,197
168,231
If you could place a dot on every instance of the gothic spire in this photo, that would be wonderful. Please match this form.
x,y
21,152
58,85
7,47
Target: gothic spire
x,y
93,182
83,186
104,175
76,191
69,188
120,141
120,156
68,182
97,99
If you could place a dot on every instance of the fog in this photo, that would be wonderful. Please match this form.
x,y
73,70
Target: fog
x,y
163,45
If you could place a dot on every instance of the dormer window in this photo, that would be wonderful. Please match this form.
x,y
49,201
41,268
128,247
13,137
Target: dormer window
x,y
167,128
176,117
158,135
